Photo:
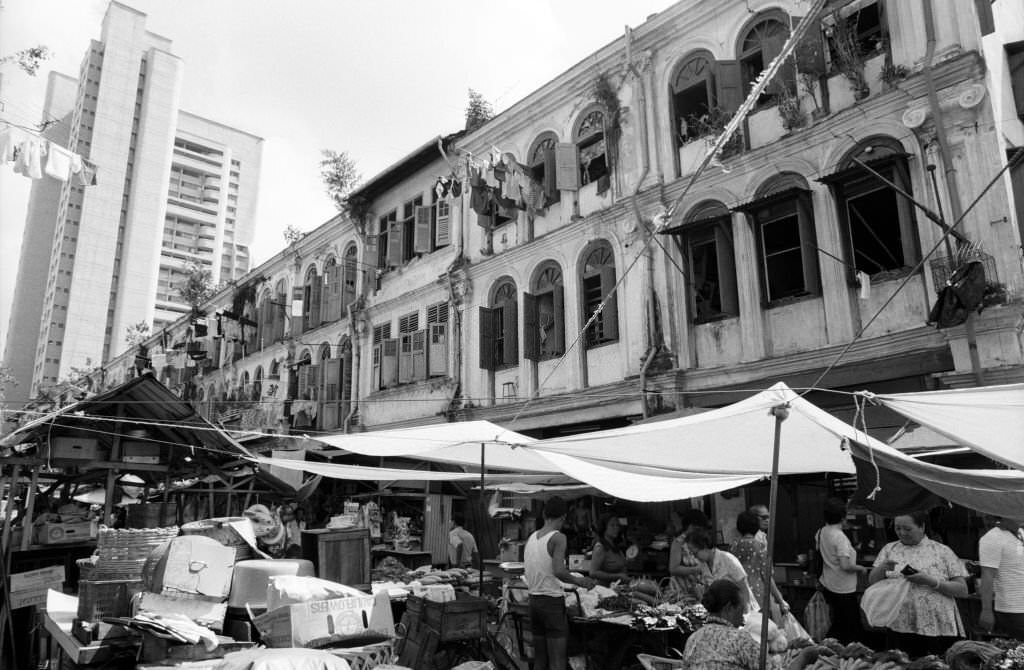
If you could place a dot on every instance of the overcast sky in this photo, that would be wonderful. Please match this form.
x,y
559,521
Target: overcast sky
x,y
375,78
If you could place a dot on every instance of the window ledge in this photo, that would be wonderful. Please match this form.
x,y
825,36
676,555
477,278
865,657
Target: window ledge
x,y
885,276
715,319
600,345
431,384
783,302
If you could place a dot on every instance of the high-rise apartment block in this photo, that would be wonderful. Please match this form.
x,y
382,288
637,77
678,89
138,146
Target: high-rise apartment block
x,y
174,190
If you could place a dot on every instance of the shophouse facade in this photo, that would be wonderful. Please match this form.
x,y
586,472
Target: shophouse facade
x,y
604,287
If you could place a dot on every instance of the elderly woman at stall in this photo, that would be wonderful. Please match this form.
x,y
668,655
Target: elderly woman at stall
x,y
753,556
928,620
686,571
608,562
721,643
719,564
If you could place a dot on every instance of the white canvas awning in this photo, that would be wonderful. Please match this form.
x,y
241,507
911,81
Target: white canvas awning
x,y
988,419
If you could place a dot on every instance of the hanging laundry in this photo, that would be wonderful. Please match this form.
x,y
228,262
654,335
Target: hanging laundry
x,y
10,139
456,189
87,176
58,162
30,158
513,179
76,163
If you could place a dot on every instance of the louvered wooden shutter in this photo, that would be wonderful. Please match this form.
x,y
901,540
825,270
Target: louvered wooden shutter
x,y
302,373
567,167
266,322
378,355
487,323
325,296
550,184
729,82
315,291
437,357
405,358
279,313
389,364
610,313
558,332
421,233
419,355
346,380
314,382
810,52
531,328
442,228
510,356
395,243
331,415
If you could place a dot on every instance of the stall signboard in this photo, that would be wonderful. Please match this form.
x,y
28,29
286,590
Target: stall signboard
x,y
356,618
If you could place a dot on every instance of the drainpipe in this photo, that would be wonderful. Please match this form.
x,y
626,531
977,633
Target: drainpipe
x,y
353,338
952,188
651,351
454,316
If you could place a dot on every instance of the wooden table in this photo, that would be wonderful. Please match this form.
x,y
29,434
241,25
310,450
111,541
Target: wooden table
x,y
60,614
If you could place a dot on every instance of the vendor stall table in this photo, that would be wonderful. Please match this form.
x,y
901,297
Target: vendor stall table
x,y
410,559
60,614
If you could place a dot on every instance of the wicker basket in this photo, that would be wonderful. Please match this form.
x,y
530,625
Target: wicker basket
x,y
86,568
131,543
366,657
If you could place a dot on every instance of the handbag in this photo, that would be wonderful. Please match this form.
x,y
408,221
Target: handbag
x,y
818,616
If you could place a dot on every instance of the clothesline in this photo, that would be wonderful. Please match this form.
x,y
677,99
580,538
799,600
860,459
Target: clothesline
x,y
26,149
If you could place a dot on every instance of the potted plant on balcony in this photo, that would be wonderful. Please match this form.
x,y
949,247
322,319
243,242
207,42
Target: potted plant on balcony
x,y
849,57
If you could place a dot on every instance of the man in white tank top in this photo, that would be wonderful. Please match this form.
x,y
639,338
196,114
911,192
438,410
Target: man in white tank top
x,y
544,559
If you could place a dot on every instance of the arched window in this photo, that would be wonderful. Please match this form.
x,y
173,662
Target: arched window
x,y
544,316
266,321
706,237
760,44
879,227
350,277
598,280
330,298
692,93
275,370
325,351
245,389
499,329
257,384
783,220
311,299
591,147
281,303
541,159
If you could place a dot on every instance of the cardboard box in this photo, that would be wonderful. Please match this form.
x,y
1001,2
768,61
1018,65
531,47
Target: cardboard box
x,y
43,578
32,597
357,618
140,452
63,533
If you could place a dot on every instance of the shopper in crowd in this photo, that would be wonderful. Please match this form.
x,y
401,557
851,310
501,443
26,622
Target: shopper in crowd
x,y
608,562
686,570
721,643
720,564
928,620
544,559
1001,556
462,550
839,572
753,556
764,518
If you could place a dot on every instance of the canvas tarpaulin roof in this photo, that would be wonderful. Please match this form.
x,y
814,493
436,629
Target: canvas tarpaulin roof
x,y
732,441
988,419
372,473
997,492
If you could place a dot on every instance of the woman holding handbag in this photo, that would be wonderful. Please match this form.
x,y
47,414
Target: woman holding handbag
x,y
839,571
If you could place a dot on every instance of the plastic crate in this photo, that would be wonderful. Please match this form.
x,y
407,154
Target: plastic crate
x,y
366,657
464,618
105,598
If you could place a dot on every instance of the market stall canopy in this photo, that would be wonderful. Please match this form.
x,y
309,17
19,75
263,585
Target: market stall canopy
x,y
988,419
455,443
381,474
883,474
733,443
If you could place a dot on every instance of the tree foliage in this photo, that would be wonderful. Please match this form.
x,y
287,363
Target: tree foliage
x,y
29,59
197,287
478,111
339,174
136,333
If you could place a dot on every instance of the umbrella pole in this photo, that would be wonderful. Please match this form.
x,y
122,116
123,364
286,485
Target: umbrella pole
x,y
780,413
483,506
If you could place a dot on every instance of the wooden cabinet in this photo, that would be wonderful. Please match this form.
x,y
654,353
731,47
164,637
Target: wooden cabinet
x,y
341,556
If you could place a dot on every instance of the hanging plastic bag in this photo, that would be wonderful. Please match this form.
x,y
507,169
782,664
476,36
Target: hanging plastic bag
x,y
792,628
818,616
882,600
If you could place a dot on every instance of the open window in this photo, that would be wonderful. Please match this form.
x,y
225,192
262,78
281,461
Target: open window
x,y
350,277
499,329
598,282
591,148
783,221
862,29
544,316
408,236
879,228
693,96
437,340
311,290
330,297
257,384
542,166
385,227
384,367
759,45
705,238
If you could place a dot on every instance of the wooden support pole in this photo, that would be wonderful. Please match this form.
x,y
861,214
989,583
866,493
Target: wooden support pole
x,y
780,413
115,457
12,490
30,502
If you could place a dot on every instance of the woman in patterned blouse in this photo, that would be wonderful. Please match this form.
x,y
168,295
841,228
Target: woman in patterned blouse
x,y
928,621
721,643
